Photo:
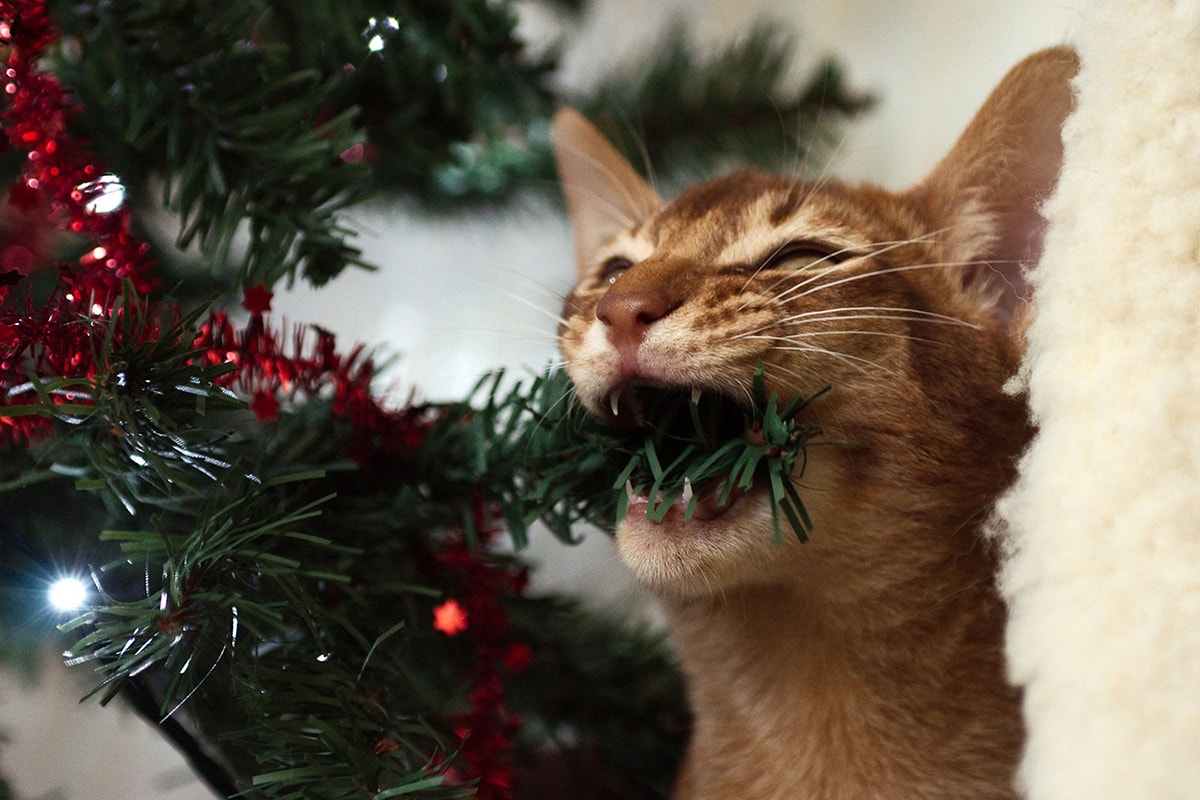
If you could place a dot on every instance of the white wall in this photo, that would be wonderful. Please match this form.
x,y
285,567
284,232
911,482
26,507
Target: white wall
x,y
456,297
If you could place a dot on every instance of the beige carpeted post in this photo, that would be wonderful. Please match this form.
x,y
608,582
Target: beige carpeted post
x,y
1104,524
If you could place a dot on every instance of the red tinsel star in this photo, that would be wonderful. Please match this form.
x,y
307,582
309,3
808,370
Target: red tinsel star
x,y
257,298
450,618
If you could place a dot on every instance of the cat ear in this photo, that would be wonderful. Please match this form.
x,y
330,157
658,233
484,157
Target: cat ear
x,y
986,193
604,195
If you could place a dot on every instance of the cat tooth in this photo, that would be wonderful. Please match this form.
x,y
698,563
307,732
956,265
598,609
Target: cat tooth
x,y
633,496
686,497
696,395
614,401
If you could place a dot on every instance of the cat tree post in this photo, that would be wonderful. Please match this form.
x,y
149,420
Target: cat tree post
x,y
1104,524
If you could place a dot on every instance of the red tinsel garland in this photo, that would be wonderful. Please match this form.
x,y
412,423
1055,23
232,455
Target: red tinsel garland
x,y
62,178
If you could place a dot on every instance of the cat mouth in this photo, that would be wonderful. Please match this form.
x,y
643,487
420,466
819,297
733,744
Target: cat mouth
x,y
682,425
642,405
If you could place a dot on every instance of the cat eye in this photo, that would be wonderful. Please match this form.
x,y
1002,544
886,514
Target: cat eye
x,y
805,253
611,269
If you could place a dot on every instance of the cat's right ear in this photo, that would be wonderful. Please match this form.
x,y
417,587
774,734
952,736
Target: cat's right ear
x,y
987,192
604,194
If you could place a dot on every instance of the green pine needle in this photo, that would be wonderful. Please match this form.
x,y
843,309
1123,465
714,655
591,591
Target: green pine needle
x,y
545,458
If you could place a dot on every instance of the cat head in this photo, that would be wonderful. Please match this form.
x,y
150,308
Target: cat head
x,y
907,304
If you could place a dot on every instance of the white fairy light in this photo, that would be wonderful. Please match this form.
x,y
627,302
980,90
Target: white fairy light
x,y
106,194
375,40
67,594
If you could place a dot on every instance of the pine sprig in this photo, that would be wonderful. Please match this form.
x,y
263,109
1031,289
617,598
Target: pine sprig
x,y
546,459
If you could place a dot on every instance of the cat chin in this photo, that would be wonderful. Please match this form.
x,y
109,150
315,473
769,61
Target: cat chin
x,y
679,557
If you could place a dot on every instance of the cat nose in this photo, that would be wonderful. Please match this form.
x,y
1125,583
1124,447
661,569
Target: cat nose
x,y
628,314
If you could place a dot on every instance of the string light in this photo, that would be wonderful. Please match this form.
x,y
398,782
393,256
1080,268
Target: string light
x,y
106,194
67,594
376,41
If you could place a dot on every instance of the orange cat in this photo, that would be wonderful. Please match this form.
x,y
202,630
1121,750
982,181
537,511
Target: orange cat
x,y
868,662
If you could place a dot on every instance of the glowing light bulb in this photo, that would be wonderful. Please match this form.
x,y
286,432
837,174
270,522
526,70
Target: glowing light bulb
x,y
376,40
67,594
107,194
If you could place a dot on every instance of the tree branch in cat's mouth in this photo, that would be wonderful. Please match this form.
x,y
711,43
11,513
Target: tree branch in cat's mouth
x,y
701,451
669,447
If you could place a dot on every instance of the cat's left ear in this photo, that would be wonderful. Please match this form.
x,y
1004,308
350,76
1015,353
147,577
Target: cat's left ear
x,y
986,193
604,194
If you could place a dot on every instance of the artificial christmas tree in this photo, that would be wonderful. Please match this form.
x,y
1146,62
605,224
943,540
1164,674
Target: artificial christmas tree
x,y
294,575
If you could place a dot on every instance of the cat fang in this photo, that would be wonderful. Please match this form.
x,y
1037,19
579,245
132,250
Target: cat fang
x,y
614,400
869,662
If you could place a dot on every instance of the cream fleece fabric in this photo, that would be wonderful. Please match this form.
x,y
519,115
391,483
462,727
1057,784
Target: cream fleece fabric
x,y
1103,574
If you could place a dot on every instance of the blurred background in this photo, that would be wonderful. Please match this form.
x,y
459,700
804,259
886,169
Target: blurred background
x,y
459,294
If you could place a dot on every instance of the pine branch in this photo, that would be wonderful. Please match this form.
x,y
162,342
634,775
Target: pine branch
x,y
543,458
600,687
268,119
680,115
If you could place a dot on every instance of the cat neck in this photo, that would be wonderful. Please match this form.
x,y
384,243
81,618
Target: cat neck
x,y
795,696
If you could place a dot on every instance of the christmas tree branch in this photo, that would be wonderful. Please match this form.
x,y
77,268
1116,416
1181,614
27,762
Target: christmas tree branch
x,y
544,458
680,113
266,119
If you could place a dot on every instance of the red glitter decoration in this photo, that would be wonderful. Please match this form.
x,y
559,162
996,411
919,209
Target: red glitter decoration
x,y
449,618
59,176
477,584
60,180
265,406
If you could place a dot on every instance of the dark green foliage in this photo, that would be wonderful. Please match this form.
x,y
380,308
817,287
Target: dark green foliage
x,y
677,113
598,681
266,116
277,591
265,119
284,595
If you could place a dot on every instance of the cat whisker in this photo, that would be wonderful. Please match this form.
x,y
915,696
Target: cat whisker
x,y
794,337
767,259
893,312
533,283
612,210
790,372
557,318
882,247
856,362
891,270
828,315
528,333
